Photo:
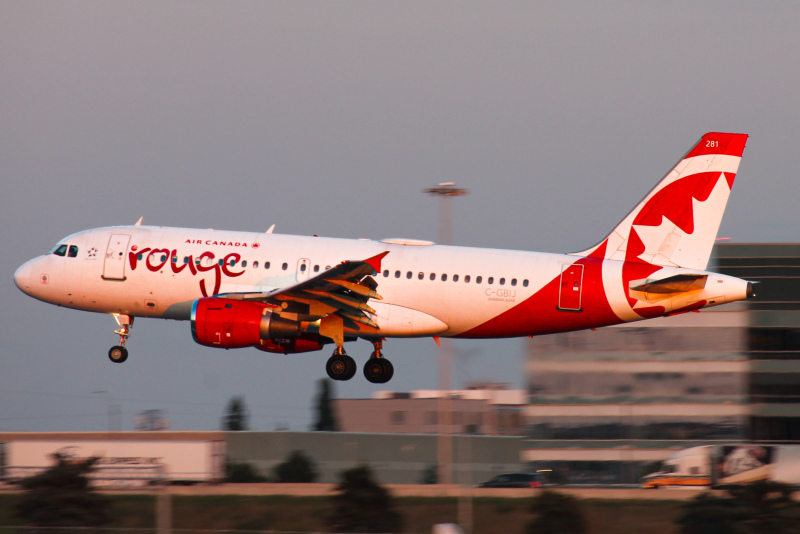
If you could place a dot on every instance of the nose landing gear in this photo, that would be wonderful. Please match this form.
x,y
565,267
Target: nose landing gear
x,y
119,353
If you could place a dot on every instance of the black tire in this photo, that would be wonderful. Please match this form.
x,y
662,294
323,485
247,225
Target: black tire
x,y
340,367
117,354
377,371
389,370
352,367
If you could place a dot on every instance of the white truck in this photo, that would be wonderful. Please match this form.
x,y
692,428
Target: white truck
x,y
121,463
726,465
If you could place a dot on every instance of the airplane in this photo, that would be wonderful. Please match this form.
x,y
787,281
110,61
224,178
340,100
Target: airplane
x,y
292,294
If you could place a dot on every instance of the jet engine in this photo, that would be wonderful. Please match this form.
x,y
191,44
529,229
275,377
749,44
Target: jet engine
x,y
231,324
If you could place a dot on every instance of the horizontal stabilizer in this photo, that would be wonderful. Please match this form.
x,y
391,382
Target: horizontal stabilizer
x,y
679,283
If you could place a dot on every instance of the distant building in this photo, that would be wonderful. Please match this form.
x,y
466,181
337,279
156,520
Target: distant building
x,y
772,336
481,409
605,405
151,420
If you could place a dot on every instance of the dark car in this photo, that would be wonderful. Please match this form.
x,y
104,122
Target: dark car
x,y
515,480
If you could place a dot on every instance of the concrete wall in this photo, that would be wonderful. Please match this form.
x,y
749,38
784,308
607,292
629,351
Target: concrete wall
x,y
395,458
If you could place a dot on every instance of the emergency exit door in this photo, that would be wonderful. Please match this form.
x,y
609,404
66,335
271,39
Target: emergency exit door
x,y
571,287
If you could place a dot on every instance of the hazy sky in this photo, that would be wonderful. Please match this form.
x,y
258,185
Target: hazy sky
x,y
330,118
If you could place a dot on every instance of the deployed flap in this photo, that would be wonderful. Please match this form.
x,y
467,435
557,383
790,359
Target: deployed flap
x,y
680,283
342,290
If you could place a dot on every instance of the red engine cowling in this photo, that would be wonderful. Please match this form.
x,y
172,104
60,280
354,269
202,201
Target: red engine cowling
x,y
231,324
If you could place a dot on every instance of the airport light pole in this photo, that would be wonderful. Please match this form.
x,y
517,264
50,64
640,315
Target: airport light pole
x,y
445,191
114,410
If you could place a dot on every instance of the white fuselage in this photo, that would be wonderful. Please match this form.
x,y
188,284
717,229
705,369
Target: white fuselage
x,y
427,289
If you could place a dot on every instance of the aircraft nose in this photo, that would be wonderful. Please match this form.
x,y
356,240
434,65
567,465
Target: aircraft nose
x,y
23,278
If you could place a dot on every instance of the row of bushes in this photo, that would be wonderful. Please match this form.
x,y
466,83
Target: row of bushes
x,y
62,497
297,468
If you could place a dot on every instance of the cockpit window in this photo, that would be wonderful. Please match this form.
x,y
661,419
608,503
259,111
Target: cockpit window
x,y
59,250
73,251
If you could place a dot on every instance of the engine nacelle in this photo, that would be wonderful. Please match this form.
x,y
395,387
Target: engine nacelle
x,y
231,324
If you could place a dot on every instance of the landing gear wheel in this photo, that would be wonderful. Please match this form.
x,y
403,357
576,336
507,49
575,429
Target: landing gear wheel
x,y
341,367
390,369
117,354
378,370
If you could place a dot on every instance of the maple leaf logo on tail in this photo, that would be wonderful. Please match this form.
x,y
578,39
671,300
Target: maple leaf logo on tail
x,y
676,224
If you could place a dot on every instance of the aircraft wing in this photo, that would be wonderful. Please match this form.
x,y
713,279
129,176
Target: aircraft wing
x,y
342,290
678,283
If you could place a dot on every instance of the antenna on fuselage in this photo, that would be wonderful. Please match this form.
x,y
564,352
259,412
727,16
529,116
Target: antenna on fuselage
x,y
139,222
271,228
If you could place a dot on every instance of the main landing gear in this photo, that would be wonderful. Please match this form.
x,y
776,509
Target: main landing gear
x,y
119,353
377,369
340,366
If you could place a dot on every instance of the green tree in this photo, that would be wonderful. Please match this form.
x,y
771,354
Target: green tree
x,y
242,472
430,475
325,419
760,507
298,467
61,496
556,513
362,505
236,415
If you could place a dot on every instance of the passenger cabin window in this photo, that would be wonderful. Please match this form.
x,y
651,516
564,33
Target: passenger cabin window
x,y
444,278
455,278
502,281
408,275
524,283
174,259
433,276
422,275
255,264
266,265
513,281
60,250
285,266
302,267
386,273
478,279
397,274
466,279
244,263
316,268
490,280
73,251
